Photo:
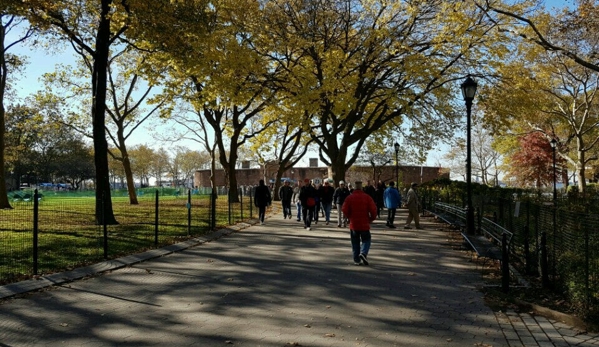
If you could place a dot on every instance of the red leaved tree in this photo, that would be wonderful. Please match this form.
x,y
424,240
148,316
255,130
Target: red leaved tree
x,y
532,163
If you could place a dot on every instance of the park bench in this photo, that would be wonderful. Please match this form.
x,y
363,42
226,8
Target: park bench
x,y
450,214
491,242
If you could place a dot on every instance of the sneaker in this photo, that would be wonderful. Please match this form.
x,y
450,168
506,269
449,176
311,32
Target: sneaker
x,y
261,223
299,220
363,258
308,228
391,226
357,263
326,223
407,227
338,225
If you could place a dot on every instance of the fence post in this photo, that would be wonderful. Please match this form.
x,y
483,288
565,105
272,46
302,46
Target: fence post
x,y
229,204
35,231
527,250
240,191
156,219
104,225
188,212
505,265
213,197
544,262
251,203
588,293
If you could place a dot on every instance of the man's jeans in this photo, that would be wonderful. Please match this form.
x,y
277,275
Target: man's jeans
x,y
355,243
286,208
341,219
299,211
390,216
327,210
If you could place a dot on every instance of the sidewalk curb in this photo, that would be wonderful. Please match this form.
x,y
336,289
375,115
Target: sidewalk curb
x,y
552,314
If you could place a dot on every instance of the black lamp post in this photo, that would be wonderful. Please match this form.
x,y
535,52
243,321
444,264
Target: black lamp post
x,y
396,145
553,146
468,92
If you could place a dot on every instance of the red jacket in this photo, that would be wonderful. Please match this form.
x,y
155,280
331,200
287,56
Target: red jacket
x,y
360,209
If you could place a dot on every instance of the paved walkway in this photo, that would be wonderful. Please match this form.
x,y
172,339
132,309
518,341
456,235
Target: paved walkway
x,y
276,285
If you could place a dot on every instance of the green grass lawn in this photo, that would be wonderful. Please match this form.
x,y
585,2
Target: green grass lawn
x,y
68,236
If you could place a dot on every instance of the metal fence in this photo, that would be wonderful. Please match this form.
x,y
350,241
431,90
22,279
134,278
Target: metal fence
x,y
53,232
558,243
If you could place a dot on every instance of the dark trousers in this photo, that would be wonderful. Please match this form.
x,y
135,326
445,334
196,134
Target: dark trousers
x,y
308,214
364,247
390,216
286,208
261,213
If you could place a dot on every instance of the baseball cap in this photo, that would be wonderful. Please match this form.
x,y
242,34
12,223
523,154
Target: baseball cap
x,y
341,182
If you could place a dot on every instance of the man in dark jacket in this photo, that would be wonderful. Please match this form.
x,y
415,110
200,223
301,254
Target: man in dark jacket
x,y
325,193
307,198
361,211
370,190
341,193
285,194
262,199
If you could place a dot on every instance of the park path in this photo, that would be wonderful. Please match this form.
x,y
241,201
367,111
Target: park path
x,y
276,285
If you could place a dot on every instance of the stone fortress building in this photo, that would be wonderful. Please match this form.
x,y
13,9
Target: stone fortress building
x,y
247,176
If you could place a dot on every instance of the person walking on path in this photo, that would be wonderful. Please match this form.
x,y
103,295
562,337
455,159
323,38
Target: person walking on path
x,y
317,206
361,211
286,194
370,190
296,201
341,193
325,193
392,200
307,199
262,199
380,201
413,204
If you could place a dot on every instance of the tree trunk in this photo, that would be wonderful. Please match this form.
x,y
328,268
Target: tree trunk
x,y
338,171
104,212
580,164
129,176
277,185
231,174
4,203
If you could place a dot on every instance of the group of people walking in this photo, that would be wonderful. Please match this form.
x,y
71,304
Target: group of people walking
x,y
357,206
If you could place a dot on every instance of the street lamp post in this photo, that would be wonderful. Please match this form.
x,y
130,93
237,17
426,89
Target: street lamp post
x,y
396,145
553,146
468,92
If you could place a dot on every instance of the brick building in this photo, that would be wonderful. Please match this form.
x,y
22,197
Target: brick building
x,y
249,176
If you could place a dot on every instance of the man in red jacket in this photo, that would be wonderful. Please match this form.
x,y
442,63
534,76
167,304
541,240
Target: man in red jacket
x,y
361,210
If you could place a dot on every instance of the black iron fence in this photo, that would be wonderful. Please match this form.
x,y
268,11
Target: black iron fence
x,y
556,243
51,232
